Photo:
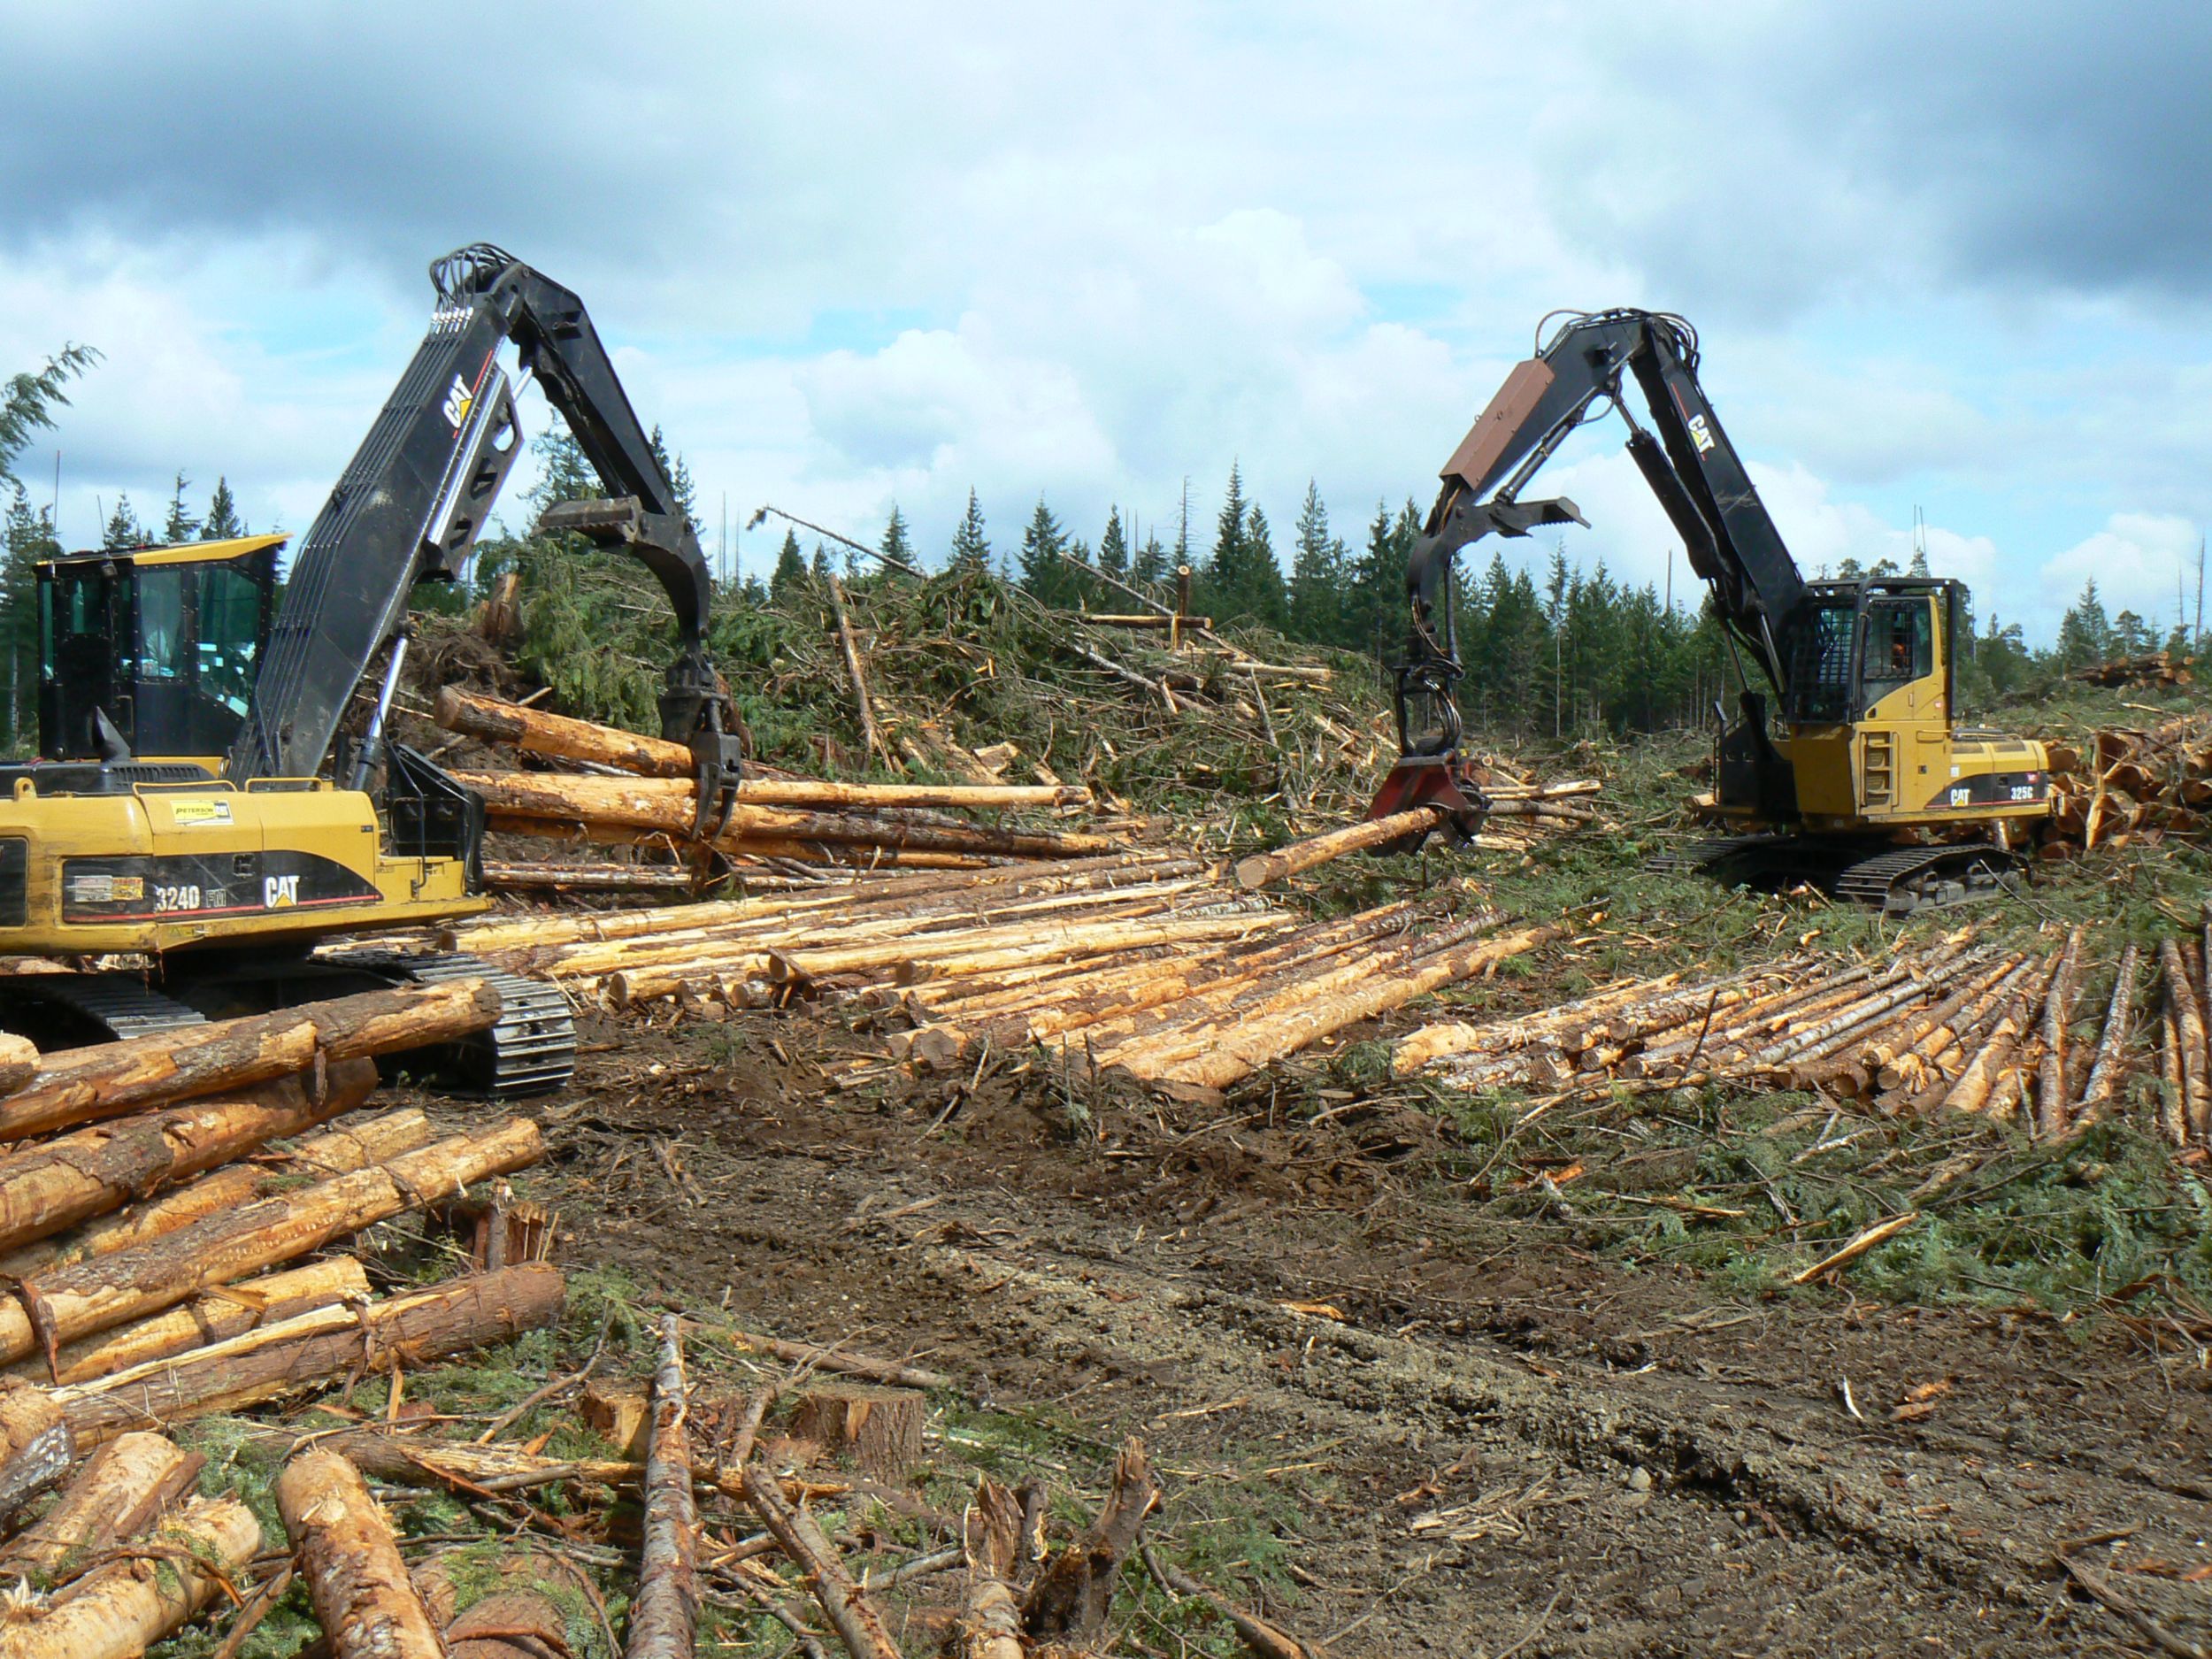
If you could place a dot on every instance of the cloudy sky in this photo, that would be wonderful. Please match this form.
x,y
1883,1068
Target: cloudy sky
x,y
1954,257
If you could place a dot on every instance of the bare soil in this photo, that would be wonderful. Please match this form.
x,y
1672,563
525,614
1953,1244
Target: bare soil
x,y
1475,1437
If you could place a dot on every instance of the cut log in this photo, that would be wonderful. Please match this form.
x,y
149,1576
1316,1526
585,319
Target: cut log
x,y
120,1611
512,876
51,1186
66,1303
228,1311
520,1618
871,740
19,1062
81,1086
120,1492
665,1616
306,1351
37,1447
362,1595
1262,868
2097,1089
665,804
333,1152
2196,1085
880,1428
539,732
1243,1051
1069,1601
851,1614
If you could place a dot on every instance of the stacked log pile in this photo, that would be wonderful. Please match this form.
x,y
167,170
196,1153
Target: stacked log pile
x,y
158,1199
2160,669
1999,1031
2122,785
637,792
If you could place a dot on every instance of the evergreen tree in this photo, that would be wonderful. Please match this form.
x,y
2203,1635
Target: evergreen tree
x,y
820,564
1113,546
790,572
123,529
28,402
970,550
1042,571
1317,575
2085,633
179,525
678,478
29,537
222,521
895,544
1151,565
1225,566
563,474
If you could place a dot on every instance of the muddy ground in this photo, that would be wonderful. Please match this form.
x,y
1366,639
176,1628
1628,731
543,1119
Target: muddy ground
x,y
1414,1430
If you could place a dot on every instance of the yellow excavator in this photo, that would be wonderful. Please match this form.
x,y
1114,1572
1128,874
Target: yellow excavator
x,y
1858,779
193,806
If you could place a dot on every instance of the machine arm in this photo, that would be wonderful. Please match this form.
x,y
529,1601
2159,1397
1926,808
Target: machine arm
x,y
413,500
1690,465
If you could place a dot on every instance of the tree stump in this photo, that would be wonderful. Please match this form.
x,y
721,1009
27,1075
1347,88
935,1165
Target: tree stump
x,y
618,1413
881,1427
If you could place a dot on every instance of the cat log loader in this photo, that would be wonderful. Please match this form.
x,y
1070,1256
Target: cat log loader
x,y
192,804
1854,779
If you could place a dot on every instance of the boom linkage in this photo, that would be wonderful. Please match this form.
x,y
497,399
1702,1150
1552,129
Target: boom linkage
x,y
418,493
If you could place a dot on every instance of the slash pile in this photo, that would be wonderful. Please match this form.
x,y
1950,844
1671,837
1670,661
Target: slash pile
x,y
1953,1027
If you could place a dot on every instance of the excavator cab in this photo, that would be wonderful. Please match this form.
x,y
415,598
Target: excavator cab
x,y
150,652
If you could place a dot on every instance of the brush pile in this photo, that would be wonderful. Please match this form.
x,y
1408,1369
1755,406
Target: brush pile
x,y
1951,1026
2128,783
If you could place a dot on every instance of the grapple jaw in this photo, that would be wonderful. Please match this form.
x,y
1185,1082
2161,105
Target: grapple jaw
x,y
1448,781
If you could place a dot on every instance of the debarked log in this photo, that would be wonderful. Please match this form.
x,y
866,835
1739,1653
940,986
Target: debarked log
x,y
120,1611
362,1595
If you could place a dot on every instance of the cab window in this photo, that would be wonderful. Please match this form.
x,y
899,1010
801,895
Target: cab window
x,y
1900,642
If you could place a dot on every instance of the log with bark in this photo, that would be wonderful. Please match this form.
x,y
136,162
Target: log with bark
x,y
359,1586
333,1152
665,1613
109,1080
306,1351
64,1304
48,1187
852,1613
665,804
227,1311
37,1447
121,1609
119,1492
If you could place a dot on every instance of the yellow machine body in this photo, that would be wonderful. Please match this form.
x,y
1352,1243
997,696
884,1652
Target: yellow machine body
x,y
1868,738
167,866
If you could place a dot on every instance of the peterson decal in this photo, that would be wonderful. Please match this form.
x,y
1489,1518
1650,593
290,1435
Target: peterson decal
x,y
189,814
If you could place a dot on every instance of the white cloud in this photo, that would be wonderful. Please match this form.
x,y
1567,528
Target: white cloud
x,y
2145,563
